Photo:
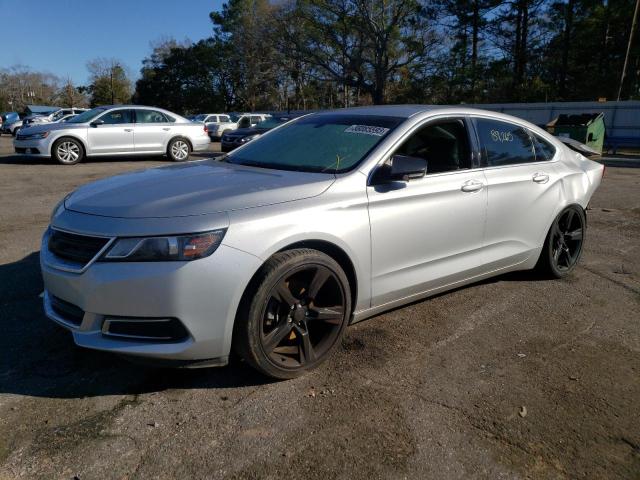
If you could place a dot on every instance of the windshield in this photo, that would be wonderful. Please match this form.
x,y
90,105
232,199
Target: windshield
x,y
87,116
199,118
317,143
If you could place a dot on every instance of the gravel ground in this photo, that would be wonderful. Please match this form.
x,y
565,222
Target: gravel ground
x,y
516,377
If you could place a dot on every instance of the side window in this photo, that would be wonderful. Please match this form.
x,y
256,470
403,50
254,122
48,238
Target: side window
x,y
255,119
244,122
211,118
443,144
224,118
150,116
504,143
544,150
115,117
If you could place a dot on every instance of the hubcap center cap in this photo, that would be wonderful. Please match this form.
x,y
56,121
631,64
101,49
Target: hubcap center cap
x,y
299,313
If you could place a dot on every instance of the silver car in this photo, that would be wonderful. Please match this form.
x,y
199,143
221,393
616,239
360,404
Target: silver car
x,y
114,130
327,220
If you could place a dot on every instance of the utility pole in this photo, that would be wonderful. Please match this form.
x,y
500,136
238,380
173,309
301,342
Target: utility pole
x,y
111,78
626,57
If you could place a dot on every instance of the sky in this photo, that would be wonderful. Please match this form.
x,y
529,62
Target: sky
x,y
60,36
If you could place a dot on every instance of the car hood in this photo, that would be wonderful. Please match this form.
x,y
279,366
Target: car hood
x,y
49,127
194,188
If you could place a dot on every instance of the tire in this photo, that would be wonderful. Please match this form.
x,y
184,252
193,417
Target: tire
x,y
562,248
67,151
293,313
178,149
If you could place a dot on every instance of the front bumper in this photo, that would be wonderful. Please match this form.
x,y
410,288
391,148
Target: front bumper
x,y
202,294
35,148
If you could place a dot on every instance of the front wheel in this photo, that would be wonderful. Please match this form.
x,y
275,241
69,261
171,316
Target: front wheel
x,y
178,150
563,246
68,151
293,314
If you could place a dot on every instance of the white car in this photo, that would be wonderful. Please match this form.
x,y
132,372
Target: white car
x,y
114,130
211,118
234,122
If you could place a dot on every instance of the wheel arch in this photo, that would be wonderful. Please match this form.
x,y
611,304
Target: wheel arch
x,y
326,247
72,137
338,254
178,136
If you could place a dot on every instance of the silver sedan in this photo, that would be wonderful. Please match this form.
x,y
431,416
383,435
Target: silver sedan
x,y
327,220
114,130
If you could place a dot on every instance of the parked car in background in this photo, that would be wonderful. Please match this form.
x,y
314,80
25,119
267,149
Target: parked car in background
x,y
11,123
235,121
52,117
211,118
328,220
241,136
9,117
114,130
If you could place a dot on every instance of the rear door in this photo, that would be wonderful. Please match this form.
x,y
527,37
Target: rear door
x,y
113,135
152,131
523,190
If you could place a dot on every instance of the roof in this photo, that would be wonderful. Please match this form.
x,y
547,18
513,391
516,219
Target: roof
x,y
42,108
405,111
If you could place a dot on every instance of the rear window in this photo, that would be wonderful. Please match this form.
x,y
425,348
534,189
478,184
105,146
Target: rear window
x,y
504,143
544,150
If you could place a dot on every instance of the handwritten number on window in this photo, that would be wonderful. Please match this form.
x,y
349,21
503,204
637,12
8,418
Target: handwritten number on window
x,y
498,136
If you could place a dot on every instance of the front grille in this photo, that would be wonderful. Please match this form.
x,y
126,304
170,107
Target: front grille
x,y
75,248
67,311
21,137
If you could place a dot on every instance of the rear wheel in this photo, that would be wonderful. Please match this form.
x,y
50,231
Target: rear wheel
x,y
293,314
178,150
563,246
68,151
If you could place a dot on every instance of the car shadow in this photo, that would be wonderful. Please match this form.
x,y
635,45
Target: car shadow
x,y
27,160
38,358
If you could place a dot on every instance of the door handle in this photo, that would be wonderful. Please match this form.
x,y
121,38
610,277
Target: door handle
x,y
540,177
166,129
472,186
128,129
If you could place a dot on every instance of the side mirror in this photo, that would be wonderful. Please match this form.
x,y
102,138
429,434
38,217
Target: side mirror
x,y
95,123
401,168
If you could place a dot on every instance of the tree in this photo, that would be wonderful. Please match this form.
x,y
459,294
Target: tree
x,y
71,96
110,83
190,72
361,44
20,86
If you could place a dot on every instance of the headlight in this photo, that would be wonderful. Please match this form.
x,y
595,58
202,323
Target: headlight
x,y
58,208
249,138
162,249
34,136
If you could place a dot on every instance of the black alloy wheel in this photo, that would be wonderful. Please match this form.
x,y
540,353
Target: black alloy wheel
x,y
297,316
564,242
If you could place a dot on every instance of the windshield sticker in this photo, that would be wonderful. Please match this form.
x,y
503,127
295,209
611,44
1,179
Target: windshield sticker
x,y
367,130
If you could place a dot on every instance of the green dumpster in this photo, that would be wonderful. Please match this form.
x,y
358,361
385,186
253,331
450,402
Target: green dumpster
x,y
587,128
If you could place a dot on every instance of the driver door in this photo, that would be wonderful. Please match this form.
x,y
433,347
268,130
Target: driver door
x,y
428,232
114,134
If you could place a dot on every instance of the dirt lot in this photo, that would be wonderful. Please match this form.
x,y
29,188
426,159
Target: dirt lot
x,y
516,377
